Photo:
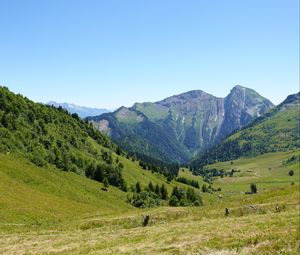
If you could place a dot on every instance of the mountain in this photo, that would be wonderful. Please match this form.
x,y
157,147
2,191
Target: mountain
x,y
276,130
49,136
82,111
178,127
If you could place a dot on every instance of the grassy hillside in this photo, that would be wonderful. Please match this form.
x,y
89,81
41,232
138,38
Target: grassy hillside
x,y
44,210
49,136
47,211
34,196
277,130
266,171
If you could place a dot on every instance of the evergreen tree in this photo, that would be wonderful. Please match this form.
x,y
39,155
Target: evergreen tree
x,y
138,188
150,186
164,192
118,151
175,192
157,190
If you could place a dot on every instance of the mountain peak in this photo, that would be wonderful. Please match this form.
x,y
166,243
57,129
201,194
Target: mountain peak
x,y
187,96
175,128
82,111
240,88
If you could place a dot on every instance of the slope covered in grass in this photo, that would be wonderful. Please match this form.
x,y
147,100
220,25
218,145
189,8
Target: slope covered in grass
x,y
49,136
31,195
262,223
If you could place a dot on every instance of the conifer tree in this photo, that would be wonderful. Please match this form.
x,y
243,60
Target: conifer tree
x,y
164,192
138,188
157,190
150,186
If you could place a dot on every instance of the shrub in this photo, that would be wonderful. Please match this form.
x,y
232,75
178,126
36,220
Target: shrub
x,y
105,183
144,199
253,188
173,201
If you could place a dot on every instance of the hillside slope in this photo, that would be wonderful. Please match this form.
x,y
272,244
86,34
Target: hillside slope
x,y
51,136
176,128
33,196
277,130
30,195
56,212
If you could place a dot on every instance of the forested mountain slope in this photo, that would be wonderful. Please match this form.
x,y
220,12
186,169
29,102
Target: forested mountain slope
x,y
50,136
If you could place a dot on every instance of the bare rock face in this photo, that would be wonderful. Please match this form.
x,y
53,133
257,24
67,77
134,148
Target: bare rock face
x,y
177,127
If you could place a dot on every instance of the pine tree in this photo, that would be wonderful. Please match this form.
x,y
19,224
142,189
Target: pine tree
x,y
157,190
150,186
175,191
138,188
164,192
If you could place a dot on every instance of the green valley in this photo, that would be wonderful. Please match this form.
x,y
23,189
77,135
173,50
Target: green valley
x,y
55,212
65,188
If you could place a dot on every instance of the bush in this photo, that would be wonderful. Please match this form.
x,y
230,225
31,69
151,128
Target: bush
x,y
144,199
184,197
197,203
204,188
173,201
291,173
105,183
253,188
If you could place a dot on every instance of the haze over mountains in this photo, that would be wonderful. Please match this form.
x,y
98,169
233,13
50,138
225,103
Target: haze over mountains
x,y
82,111
179,127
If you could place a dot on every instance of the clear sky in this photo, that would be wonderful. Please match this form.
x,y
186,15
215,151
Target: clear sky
x,y
108,53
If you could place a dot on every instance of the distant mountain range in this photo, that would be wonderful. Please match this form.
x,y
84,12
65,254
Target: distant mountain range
x,y
181,126
82,111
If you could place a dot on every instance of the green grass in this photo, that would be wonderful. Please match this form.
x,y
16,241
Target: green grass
x,y
47,211
266,171
30,195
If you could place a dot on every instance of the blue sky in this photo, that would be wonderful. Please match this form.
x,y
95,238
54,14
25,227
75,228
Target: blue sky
x,y
110,53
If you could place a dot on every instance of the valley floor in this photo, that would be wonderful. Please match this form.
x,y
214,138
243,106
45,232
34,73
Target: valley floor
x,y
262,223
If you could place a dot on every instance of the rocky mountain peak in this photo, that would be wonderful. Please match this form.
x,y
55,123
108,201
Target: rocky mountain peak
x,y
184,124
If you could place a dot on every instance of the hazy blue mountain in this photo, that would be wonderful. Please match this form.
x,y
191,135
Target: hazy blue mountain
x,y
180,126
82,111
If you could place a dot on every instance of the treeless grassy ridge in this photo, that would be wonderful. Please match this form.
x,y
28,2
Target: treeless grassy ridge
x,y
54,212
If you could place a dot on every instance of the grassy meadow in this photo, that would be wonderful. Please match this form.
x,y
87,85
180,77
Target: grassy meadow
x,y
47,211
